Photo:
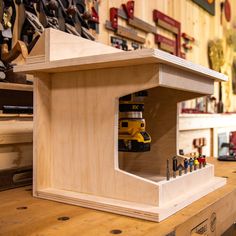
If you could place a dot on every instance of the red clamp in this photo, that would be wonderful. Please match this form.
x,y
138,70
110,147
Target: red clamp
x,y
129,9
95,16
187,46
187,37
114,17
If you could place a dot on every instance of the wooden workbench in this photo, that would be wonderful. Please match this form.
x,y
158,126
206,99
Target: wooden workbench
x,y
41,216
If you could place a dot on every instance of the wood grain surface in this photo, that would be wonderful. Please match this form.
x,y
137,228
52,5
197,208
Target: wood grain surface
x,y
41,216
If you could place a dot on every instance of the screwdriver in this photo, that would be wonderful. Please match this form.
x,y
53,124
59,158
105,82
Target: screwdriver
x,y
185,165
175,168
191,164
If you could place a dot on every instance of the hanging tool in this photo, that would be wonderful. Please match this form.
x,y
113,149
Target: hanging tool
x,y
33,20
30,26
199,143
73,12
119,43
114,18
188,40
171,25
48,13
187,47
73,15
129,9
2,7
31,30
18,49
187,37
8,54
7,22
2,71
91,15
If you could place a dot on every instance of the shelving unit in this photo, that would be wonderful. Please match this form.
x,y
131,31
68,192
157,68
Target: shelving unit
x,y
16,116
16,137
17,87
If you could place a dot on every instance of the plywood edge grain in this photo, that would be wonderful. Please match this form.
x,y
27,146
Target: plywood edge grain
x,y
142,211
100,203
15,86
57,51
105,60
186,65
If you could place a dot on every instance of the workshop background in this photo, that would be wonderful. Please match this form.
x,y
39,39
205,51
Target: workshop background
x,y
201,31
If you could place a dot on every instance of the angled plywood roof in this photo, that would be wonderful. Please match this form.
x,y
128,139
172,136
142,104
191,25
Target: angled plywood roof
x,y
57,45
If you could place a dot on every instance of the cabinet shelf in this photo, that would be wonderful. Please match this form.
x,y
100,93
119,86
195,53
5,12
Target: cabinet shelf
x,y
16,115
15,86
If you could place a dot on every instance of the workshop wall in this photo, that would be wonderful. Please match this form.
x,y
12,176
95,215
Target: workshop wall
x,y
195,22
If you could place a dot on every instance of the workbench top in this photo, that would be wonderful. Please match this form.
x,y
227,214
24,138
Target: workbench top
x,y
41,216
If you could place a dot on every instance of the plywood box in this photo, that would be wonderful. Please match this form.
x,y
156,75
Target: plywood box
x,y
76,99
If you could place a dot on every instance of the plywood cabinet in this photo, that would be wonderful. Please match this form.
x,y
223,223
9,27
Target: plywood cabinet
x,y
76,157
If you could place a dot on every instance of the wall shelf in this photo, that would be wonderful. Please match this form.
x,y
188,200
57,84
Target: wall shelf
x,y
205,121
15,86
209,126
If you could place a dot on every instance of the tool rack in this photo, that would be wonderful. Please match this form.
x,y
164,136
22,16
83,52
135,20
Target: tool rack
x,y
76,96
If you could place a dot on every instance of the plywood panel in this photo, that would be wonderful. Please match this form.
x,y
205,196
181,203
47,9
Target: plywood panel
x,y
77,92
42,114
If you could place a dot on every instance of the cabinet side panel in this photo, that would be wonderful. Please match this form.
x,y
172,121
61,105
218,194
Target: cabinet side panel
x,y
84,145
42,132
